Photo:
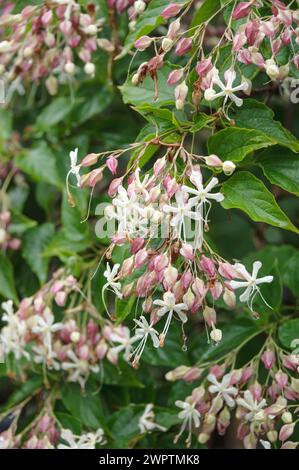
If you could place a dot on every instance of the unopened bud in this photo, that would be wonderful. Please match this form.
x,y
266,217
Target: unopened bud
x,y
228,167
216,335
139,6
89,68
167,44
287,417
69,68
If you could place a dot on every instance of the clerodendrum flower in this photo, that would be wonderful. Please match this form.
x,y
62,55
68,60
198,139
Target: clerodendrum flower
x,y
12,335
111,284
253,407
146,421
202,197
190,416
223,388
44,326
182,210
169,305
143,331
75,168
227,88
85,441
250,282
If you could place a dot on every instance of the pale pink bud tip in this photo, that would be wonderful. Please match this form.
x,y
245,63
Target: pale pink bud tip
x,y
171,10
143,43
242,10
175,76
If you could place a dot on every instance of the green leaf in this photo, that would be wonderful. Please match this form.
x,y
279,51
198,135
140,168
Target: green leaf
x,y
71,218
200,121
40,164
34,243
281,167
5,125
123,308
147,22
20,223
288,332
234,143
144,93
85,405
68,421
29,388
206,11
246,192
171,354
7,283
256,115
122,376
234,334
54,113
93,102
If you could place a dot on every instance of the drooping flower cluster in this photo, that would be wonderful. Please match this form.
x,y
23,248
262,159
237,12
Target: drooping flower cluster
x,y
267,414
162,217
43,43
70,345
268,42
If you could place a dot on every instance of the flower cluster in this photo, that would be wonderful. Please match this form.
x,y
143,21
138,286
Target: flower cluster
x,y
268,42
267,414
162,216
44,41
71,345
46,433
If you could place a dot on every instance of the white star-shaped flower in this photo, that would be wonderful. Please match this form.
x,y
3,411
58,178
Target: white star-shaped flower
x,y
223,388
182,210
75,168
143,331
190,416
254,408
169,305
250,282
146,421
227,88
44,326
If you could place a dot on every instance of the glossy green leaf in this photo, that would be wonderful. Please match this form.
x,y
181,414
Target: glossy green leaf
x,y
246,192
256,115
7,282
281,167
288,331
40,164
35,242
234,143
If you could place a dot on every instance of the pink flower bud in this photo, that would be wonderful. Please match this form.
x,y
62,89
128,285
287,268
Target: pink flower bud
x,y
160,262
186,279
175,76
199,288
147,305
159,166
143,43
170,276
187,252
193,373
137,244
171,10
65,27
189,298
251,32
90,159
140,258
213,161
286,36
94,177
204,67
173,29
47,17
60,298
14,244
44,423
281,379
227,270
112,164
216,290
286,431
207,266
83,352
57,286
246,374
209,315
127,267
5,218
113,187
242,10
268,358
217,370
184,45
